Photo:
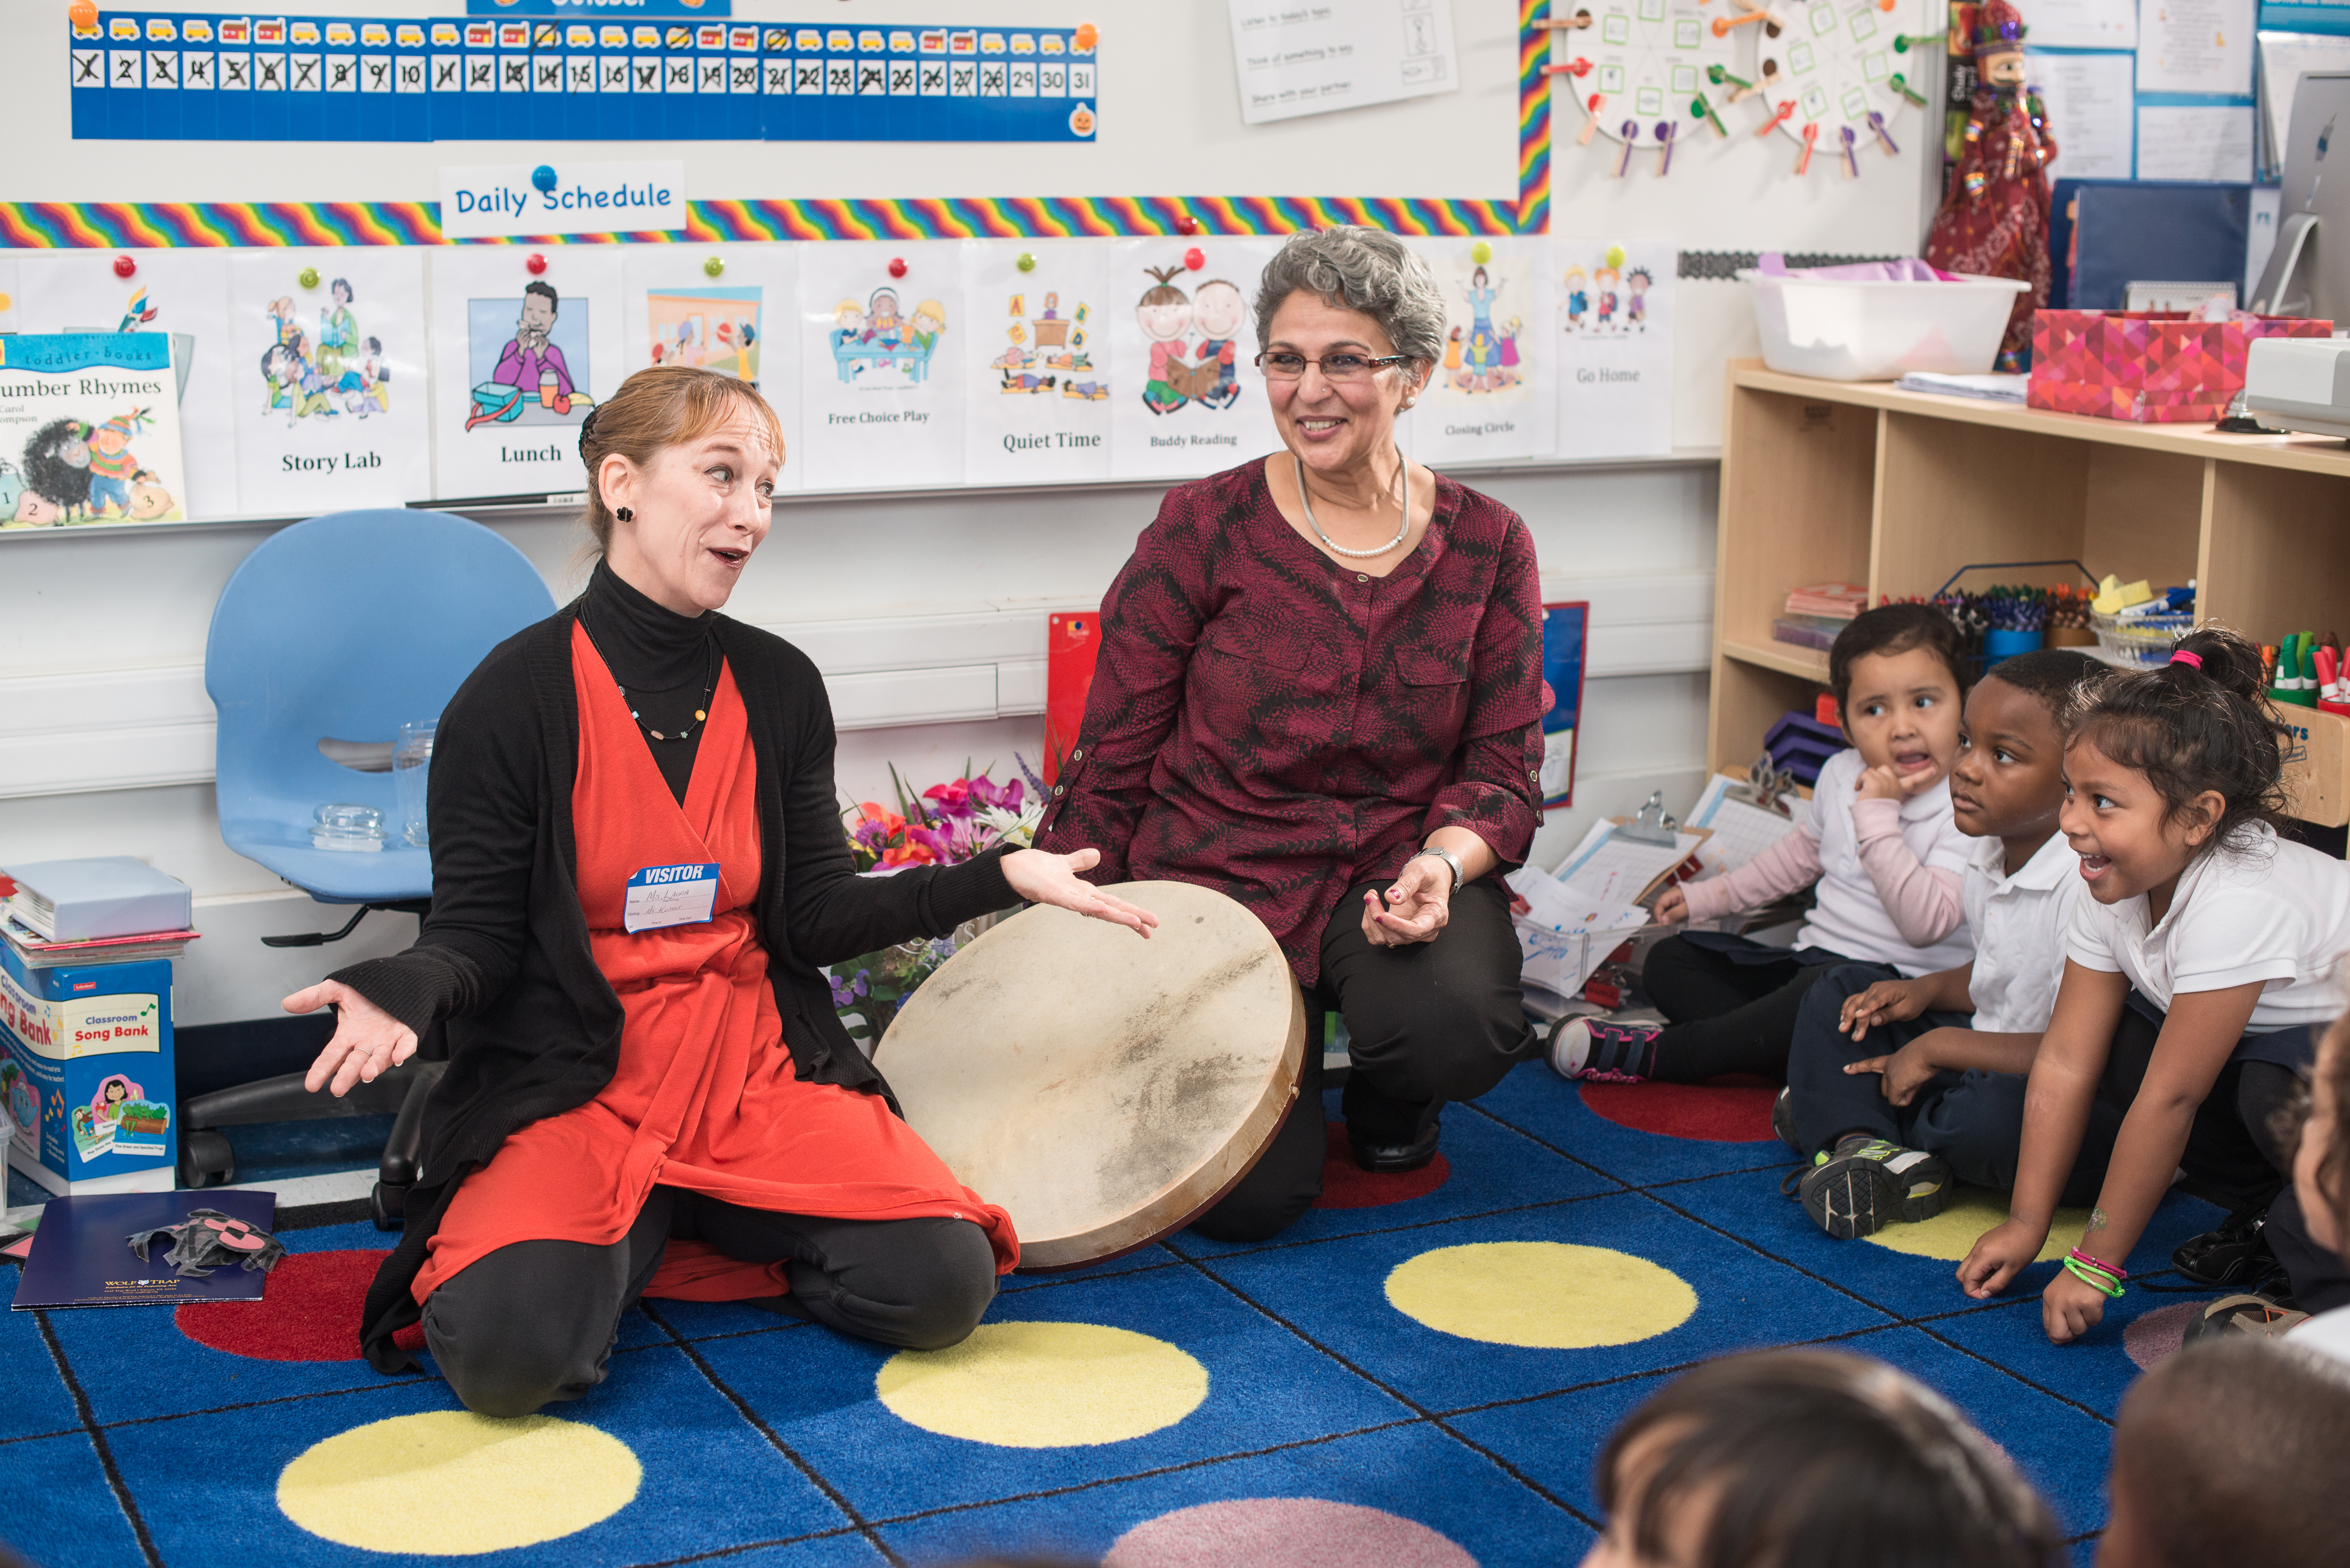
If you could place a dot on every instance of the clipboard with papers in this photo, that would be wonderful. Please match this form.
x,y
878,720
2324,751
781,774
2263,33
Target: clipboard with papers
x,y
1610,868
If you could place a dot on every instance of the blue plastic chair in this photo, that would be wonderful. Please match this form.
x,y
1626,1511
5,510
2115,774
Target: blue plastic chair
x,y
338,630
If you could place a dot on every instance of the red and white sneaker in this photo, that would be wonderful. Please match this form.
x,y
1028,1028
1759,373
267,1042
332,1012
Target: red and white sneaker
x,y
1594,1050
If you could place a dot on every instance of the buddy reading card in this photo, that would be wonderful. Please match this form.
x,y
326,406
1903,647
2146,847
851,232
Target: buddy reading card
x,y
182,295
1038,369
1186,395
519,356
90,430
731,311
329,378
883,334
1492,392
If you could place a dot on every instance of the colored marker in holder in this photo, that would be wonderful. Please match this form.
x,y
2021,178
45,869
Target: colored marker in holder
x,y
1811,139
1665,129
1851,163
1704,112
1786,112
1877,124
1900,84
1590,119
1631,131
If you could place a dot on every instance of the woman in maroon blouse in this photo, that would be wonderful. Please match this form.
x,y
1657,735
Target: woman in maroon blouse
x,y
1318,691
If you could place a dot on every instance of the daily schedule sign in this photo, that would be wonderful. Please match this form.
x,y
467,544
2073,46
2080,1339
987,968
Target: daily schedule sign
x,y
506,201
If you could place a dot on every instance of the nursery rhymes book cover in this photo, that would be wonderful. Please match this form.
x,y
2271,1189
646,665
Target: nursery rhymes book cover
x,y
90,430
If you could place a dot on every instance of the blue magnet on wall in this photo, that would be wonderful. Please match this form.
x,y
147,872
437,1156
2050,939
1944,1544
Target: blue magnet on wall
x,y
543,177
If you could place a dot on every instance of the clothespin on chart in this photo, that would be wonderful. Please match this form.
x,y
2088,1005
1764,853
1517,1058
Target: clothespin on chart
x,y
1665,129
1877,124
1900,84
1811,141
1631,131
1909,41
1704,112
1851,163
1564,24
1722,25
1590,119
1577,66
1786,112
1739,87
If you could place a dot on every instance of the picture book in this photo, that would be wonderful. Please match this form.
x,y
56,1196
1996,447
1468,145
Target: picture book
x,y
90,430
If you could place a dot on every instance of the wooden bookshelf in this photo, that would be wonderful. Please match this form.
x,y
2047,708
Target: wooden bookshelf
x,y
1854,481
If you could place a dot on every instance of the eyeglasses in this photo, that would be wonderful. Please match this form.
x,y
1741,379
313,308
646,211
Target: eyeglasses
x,y
1282,366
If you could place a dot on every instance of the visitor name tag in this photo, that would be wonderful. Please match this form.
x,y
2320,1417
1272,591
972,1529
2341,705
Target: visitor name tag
x,y
670,896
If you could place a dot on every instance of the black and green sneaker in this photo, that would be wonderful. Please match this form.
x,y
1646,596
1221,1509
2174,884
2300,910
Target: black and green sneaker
x,y
1783,1120
1866,1184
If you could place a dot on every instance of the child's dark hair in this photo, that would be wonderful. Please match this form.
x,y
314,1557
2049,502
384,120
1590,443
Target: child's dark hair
x,y
1816,1459
2064,680
1896,629
2333,1069
2199,723
2231,1451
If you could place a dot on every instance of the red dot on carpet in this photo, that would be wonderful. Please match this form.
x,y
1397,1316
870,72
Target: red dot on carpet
x,y
1735,1109
1345,1185
309,1310
1282,1533
2156,1336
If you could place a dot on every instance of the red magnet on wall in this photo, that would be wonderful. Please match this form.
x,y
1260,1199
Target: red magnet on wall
x,y
536,265
897,266
1195,258
124,266
1185,223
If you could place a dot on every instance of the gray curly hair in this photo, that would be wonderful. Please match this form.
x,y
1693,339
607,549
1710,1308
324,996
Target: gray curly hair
x,y
1368,270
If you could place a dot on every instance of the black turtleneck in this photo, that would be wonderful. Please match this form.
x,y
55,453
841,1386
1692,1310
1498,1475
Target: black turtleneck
x,y
663,661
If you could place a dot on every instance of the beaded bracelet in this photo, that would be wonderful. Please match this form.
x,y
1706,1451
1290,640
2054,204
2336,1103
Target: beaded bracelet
x,y
2092,1280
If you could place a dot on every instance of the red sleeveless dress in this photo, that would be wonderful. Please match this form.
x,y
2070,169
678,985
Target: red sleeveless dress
x,y
704,1097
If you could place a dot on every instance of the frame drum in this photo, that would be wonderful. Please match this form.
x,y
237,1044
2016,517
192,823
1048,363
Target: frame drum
x,y
1104,1089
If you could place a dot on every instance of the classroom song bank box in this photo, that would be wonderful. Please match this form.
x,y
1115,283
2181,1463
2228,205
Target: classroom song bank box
x,y
86,1064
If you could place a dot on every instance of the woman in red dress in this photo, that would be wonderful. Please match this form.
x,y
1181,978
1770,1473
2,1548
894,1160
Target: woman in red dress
x,y
637,869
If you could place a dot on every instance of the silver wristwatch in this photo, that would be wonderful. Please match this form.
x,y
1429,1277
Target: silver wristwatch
x,y
1449,859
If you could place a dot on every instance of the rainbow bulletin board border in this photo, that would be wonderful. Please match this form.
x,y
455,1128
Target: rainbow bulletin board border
x,y
130,225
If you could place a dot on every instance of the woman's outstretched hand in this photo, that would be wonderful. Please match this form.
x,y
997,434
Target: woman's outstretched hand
x,y
1041,878
1416,908
368,1043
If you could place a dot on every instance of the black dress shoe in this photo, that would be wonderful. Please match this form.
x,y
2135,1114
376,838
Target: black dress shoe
x,y
1388,1158
2237,1254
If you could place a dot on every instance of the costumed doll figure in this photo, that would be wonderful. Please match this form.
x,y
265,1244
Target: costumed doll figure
x,y
1994,217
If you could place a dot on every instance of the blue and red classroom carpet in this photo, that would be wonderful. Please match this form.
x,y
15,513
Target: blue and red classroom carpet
x,y
1418,1374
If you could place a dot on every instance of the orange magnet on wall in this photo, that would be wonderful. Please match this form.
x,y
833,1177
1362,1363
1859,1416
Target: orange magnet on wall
x,y
83,12
536,265
124,266
1086,37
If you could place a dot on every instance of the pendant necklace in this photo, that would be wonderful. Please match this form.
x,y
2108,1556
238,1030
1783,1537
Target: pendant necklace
x,y
1336,548
700,711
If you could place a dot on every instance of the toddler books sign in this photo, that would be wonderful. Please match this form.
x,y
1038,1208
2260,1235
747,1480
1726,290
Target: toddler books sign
x,y
90,430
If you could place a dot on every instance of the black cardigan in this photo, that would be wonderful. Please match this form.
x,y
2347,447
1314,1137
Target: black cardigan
x,y
534,1028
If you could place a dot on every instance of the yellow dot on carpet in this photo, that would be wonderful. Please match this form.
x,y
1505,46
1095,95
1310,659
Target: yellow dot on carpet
x,y
1546,1295
1973,1211
1043,1386
490,1484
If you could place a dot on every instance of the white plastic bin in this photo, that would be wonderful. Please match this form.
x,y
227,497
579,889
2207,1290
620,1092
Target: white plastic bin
x,y
1848,331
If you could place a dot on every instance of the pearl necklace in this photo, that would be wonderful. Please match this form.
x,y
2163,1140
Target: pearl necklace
x,y
1335,547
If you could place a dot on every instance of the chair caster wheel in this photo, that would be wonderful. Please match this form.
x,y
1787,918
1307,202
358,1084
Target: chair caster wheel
x,y
206,1159
387,1206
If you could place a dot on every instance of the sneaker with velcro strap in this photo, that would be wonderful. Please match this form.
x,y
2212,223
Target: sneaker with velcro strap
x,y
1865,1184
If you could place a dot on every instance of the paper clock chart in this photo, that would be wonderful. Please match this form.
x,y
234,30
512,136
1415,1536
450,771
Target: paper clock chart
x,y
731,309
1633,75
1821,73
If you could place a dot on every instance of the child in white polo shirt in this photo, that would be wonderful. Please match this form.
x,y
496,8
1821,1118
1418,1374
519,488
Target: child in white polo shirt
x,y
2194,971
1893,1091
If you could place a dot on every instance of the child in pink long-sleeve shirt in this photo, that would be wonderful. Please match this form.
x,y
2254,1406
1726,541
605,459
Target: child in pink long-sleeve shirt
x,y
1878,843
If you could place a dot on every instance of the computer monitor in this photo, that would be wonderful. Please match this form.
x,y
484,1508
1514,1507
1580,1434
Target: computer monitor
x,y
2308,273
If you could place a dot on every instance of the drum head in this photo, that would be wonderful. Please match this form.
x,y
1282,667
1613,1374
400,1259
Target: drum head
x,y
1104,1089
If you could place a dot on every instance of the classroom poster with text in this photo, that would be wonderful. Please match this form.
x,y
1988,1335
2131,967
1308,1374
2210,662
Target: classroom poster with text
x,y
1615,330
883,336
519,358
737,321
1037,370
183,293
329,379
1492,392
1186,395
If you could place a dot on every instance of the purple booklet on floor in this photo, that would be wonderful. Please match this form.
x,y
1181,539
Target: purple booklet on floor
x,y
81,1255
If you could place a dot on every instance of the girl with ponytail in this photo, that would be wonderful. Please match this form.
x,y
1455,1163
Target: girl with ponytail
x,y
2194,971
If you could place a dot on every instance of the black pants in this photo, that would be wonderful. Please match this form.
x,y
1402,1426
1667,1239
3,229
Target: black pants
x,y
1973,1119
1731,1005
1430,1021
535,1321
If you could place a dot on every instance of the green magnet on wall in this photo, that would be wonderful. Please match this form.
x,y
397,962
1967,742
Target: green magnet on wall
x,y
1027,262
1480,252
307,277
714,266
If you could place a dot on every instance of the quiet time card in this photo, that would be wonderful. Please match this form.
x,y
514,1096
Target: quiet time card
x,y
1615,305
180,292
1492,392
519,358
1038,369
1187,397
737,321
329,379
882,334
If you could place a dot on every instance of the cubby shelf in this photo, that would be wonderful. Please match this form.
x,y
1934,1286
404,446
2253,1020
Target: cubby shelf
x,y
1856,482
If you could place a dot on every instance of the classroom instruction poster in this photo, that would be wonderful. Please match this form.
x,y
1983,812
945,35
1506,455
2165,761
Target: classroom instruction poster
x,y
519,358
1492,393
736,321
1188,399
183,294
329,379
883,334
1037,367
1615,332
